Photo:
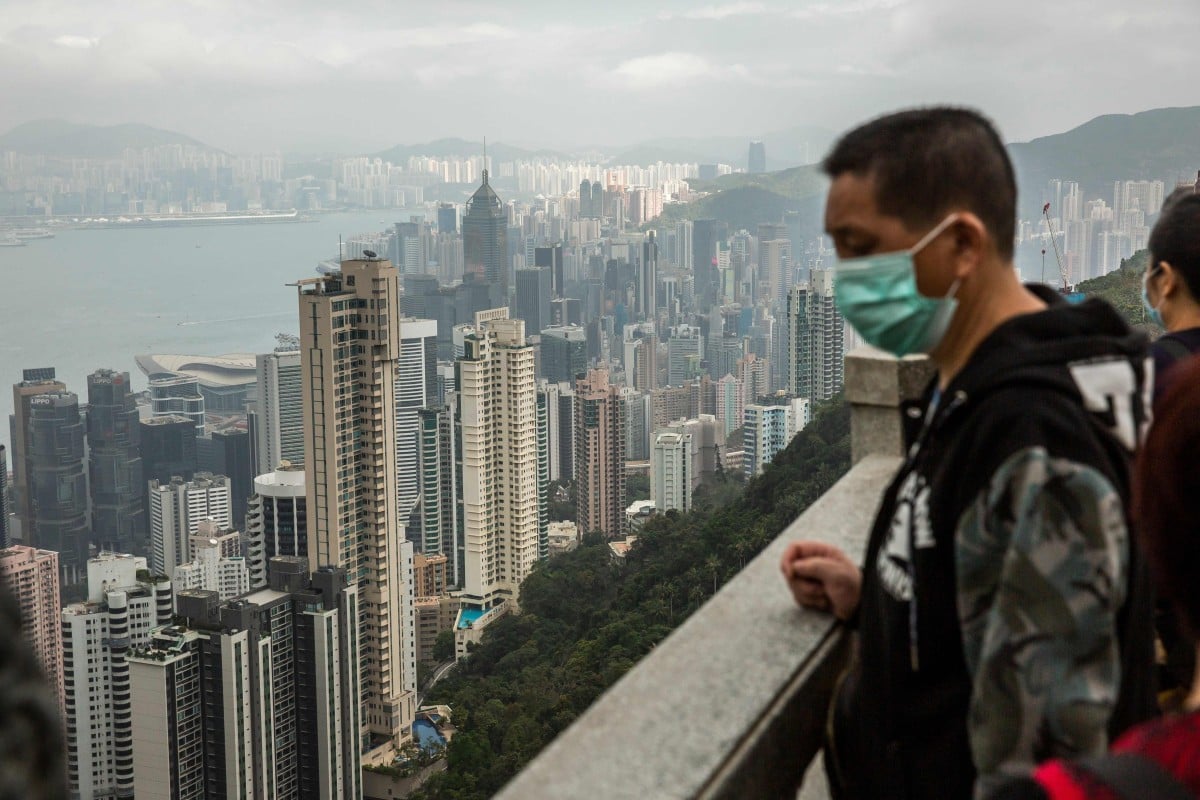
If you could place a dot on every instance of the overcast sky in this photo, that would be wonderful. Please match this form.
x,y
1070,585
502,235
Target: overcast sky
x,y
307,75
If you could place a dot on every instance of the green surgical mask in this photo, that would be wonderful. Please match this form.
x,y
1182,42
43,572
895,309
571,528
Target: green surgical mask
x,y
878,295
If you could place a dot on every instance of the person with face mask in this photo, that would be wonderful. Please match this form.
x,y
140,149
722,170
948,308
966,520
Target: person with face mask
x,y
1171,285
1003,615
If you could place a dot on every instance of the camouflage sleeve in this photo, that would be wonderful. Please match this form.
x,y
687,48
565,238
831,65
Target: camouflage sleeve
x,y
1042,556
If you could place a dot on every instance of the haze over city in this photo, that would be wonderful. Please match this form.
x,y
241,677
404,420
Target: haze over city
x,y
313,77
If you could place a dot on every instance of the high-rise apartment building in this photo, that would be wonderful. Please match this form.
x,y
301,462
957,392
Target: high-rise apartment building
x,y
121,610
685,349
176,510
280,427
775,264
168,448
349,349
769,429
253,697
485,241
647,297
416,388
600,455
117,486
58,485
276,520
34,382
437,526
216,563
816,344
672,469
499,436
31,577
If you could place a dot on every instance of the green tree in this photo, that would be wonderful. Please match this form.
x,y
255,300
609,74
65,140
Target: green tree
x,y
443,647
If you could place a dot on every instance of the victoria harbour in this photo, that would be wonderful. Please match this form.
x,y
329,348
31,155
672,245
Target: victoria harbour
x,y
118,293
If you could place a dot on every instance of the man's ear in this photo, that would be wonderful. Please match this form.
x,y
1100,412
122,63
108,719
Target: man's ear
x,y
971,243
1167,282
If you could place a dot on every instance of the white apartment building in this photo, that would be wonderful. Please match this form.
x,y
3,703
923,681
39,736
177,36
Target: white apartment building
x,y
176,511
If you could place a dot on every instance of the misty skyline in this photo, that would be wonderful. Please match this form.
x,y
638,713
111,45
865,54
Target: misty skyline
x,y
307,77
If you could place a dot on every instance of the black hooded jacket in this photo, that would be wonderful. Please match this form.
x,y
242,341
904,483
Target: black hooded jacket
x,y
1032,605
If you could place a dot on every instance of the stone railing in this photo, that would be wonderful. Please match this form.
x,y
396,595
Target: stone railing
x,y
733,703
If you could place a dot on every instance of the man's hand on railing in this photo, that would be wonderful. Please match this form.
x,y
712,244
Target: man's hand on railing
x,y
821,576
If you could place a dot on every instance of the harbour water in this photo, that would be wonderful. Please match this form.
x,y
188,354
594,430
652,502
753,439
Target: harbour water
x,y
95,298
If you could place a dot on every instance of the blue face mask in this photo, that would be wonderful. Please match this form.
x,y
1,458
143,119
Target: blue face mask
x,y
1153,313
878,295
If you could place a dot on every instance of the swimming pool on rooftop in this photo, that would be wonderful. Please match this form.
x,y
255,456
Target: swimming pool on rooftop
x,y
427,735
469,616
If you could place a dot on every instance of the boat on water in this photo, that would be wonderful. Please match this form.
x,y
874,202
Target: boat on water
x,y
11,241
33,233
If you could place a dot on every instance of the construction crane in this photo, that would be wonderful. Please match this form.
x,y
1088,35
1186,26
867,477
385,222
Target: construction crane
x,y
1063,273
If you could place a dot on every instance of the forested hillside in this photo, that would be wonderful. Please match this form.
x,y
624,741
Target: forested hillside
x,y
586,620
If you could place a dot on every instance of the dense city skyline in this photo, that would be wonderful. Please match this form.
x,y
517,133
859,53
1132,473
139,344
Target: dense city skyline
x,y
247,78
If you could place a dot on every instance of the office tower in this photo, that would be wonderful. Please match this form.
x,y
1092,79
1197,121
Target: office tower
x,y
485,241
350,346
253,697
5,533
178,394
58,484
672,469
816,349
409,253
756,160
121,610
647,297
645,363
498,432
176,510
230,456
564,353
168,447
416,388
566,311
551,258
706,233
216,563
33,382
276,520
600,455
280,425
31,577
447,218
532,300
768,429
118,490
684,352
775,264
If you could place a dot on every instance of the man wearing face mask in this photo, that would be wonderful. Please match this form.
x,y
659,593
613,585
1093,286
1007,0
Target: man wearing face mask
x,y
1171,286
1002,612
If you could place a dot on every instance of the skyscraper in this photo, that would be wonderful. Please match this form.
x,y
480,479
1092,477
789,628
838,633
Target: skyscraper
x,y
117,486
498,432
168,447
280,425
31,577
178,394
350,345
276,520
229,455
5,533
551,258
58,485
768,429
600,455
176,510
672,469
34,382
485,241
262,686
756,160
647,297
121,610
447,218
532,300
564,353
684,352
416,388
706,233
216,563
816,345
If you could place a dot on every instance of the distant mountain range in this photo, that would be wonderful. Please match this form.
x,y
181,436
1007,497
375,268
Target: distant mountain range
x,y
462,148
792,147
61,139
1163,144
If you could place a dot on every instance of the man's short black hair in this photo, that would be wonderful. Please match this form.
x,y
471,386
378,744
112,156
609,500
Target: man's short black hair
x,y
1176,237
929,161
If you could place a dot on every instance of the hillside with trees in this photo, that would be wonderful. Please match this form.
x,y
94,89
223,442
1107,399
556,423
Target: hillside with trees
x,y
1122,289
586,620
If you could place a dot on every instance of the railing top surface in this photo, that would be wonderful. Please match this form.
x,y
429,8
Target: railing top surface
x,y
671,722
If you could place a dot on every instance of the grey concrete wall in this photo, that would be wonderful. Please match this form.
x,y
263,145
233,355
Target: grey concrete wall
x,y
876,384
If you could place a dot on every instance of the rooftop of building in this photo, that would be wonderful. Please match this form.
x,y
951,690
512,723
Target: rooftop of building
x,y
232,369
